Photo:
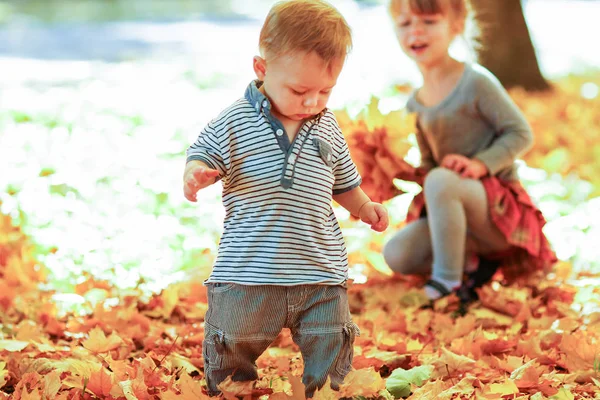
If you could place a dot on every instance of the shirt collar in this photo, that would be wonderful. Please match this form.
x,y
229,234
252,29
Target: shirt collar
x,y
260,102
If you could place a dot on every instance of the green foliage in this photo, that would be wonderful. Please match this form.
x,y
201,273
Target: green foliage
x,y
400,381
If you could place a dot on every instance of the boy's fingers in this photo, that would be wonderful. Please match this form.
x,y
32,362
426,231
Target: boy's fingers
x,y
203,173
383,216
188,194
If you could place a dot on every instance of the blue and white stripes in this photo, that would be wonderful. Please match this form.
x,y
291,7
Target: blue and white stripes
x,y
279,224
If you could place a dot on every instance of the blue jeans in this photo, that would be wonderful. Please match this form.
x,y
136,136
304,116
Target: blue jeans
x,y
242,321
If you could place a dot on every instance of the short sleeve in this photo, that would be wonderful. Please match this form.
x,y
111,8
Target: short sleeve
x,y
344,170
207,148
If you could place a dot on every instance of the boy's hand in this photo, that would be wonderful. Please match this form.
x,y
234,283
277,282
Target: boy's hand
x,y
464,166
197,178
375,215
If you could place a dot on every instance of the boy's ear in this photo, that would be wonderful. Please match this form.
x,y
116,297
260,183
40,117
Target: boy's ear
x,y
260,67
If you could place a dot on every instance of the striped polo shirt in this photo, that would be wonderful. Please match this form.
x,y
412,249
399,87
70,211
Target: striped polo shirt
x,y
279,227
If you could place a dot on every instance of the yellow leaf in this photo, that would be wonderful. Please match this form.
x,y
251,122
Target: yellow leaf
x,y
127,388
450,363
99,343
52,384
190,389
430,390
3,374
326,392
232,389
362,382
563,394
463,388
506,388
180,362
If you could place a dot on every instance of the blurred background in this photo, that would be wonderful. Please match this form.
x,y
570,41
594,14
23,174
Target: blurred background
x,y
100,98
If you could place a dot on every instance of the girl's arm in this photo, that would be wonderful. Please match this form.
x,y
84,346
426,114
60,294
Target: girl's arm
x,y
514,136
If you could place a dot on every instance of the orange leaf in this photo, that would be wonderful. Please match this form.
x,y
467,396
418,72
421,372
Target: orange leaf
x,y
100,383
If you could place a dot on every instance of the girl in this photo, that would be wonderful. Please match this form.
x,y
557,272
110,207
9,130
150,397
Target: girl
x,y
469,133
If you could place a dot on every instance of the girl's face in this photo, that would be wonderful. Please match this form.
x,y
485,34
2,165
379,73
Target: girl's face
x,y
425,37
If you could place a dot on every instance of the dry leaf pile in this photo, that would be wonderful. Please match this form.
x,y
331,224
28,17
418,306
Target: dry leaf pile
x,y
534,340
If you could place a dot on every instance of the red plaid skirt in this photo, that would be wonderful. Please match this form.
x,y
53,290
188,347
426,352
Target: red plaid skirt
x,y
521,222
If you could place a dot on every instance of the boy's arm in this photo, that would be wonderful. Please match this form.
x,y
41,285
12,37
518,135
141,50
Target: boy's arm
x,y
197,175
352,200
360,206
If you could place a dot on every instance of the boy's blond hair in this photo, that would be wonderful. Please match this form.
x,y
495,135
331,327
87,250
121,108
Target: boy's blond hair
x,y
305,25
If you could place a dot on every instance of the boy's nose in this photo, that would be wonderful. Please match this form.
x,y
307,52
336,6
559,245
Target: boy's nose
x,y
310,101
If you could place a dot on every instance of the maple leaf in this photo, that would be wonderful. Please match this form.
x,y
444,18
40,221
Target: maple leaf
x,y
449,363
232,389
52,384
295,391
505,388
180,362
134,389
99,343
362,382
563,394
100,383
400,381
326,392
30,382
430,390
3,374
508,364
463,388
580,350
190,389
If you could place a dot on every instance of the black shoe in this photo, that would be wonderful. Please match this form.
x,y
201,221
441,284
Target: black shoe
x,y
443,291
476,279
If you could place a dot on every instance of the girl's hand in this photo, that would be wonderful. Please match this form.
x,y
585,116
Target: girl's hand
x,y
375,215
197,178
464,166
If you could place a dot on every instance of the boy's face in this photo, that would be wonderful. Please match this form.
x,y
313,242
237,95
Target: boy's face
x,y
297,84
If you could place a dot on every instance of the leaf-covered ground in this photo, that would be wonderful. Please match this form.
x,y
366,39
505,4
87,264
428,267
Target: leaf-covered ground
x,y
532,340
81,333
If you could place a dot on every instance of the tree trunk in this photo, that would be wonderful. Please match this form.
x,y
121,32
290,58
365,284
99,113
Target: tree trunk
x,y
505,45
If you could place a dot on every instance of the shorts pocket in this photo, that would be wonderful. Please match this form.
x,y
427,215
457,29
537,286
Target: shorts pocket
x,y
213,347
222,287
344,361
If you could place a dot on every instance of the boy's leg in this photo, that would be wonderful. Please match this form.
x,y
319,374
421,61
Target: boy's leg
x,y
241,322
323,330
409,250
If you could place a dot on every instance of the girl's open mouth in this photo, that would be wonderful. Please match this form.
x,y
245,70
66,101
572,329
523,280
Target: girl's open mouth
x,y
418,48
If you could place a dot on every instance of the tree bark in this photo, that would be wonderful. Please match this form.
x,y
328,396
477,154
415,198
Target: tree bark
x,y
505,44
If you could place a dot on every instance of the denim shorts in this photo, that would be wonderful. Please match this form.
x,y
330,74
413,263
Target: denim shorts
x,y
243,320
